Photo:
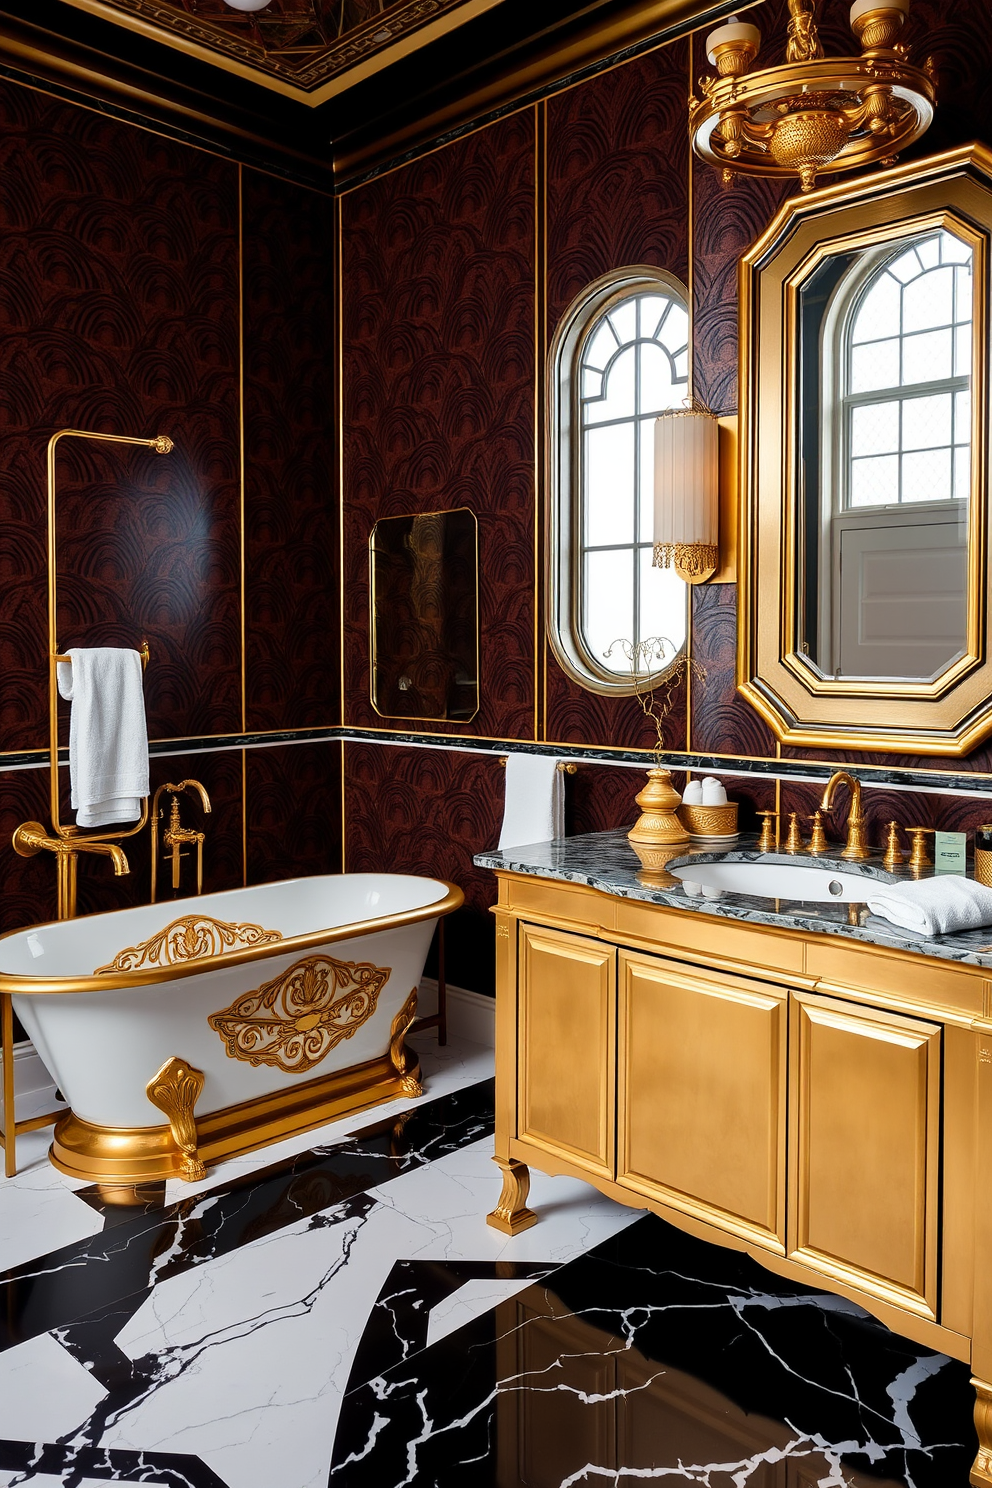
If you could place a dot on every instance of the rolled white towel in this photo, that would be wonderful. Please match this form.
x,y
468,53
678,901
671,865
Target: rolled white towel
x,y
934,906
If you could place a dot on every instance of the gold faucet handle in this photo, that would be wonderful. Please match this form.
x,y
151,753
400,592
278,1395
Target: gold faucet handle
x,y
766,842
818,838
794,842
918,857
893,852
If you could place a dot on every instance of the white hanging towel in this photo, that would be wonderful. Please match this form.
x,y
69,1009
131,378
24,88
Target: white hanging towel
x,y
534,808
108,737
933,906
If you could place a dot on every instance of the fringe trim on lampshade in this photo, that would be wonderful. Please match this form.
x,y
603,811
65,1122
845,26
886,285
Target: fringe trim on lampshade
x,y
688,558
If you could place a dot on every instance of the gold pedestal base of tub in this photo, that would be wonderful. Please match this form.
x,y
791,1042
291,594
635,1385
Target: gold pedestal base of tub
x,y
143,1154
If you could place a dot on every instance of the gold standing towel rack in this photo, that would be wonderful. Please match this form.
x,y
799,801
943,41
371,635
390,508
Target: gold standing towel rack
x,y
66,842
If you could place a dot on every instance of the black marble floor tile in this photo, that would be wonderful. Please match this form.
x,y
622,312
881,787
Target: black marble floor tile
x,y
398,1324
73,1465
154,1243
658,1357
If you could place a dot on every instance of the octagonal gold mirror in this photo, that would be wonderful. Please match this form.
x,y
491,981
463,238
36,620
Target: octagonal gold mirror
x,y
864,620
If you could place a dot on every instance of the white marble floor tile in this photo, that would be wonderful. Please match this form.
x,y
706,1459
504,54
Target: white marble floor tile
x,y
449,1201
38,1208
44,1392
468,1302
243,1361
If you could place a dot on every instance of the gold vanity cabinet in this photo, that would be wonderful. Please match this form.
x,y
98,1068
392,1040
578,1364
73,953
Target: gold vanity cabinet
x,y
702,1094
567,1046
865,1119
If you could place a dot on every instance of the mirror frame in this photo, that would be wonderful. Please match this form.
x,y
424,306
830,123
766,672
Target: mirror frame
x,y
951,713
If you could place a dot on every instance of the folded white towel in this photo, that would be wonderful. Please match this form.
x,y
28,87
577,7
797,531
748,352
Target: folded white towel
x,y
534,809
934,906
108,737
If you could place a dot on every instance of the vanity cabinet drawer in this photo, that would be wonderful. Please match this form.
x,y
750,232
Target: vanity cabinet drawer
x,y
866,1130
702,1094
567,1044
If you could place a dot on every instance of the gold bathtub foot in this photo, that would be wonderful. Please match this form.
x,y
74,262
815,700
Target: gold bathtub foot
x,y
175,1090
981,1471
404,1060
511,1214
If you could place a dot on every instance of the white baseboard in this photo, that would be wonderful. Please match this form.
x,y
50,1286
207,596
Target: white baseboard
x,y
471,1015
34,1088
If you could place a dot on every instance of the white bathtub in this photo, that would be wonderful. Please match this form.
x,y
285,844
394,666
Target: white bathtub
x,y
289,999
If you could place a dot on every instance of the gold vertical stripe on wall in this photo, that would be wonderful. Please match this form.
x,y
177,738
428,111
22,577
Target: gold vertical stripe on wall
x,y
241,432
244,816
691,286
338,249
540,431
241,498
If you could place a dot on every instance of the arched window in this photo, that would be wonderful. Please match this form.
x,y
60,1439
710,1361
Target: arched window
x,y
620,358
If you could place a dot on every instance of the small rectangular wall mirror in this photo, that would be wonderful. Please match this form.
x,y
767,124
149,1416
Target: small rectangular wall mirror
x,y
865,507
425,616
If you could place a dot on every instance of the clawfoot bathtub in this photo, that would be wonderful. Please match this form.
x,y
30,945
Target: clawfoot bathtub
x,y
188,1032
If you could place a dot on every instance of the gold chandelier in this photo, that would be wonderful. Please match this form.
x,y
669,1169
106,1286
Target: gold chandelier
x,y
814,113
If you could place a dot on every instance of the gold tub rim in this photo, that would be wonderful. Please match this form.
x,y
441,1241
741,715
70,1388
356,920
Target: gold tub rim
x,y
20,985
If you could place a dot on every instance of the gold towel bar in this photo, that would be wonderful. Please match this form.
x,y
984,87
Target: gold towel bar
x,y
143,652
567,767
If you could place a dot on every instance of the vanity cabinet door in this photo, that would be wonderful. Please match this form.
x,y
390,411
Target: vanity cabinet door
x,y
865,1114
702,1094
567,1062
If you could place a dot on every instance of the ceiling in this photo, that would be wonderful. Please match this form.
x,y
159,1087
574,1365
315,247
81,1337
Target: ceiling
x,y
307,49
326,90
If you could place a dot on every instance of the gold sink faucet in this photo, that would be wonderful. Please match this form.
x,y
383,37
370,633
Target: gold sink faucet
x,y
857,844
176,836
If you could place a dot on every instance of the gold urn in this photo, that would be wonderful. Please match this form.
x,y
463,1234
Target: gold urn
x,y
657,824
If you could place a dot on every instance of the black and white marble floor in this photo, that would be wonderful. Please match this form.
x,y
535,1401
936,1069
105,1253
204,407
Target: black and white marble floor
x,y
335,1313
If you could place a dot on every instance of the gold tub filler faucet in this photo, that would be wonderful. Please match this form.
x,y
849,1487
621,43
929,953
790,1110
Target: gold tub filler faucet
x,y
176,836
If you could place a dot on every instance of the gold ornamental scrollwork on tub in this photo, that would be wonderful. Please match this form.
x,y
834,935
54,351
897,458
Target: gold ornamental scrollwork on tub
x,y
192,938
295,1020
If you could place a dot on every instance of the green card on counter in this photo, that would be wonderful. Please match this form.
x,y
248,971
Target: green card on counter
x,y
950,852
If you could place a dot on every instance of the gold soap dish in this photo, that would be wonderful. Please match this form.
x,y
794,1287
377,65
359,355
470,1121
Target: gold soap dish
x,y
709,821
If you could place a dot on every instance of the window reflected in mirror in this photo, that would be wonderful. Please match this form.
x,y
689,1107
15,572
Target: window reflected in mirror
x,y
884,434
425,616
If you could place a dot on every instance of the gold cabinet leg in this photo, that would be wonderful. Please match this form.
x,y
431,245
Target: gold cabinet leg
x,y
511,1214
175,1090
981,1472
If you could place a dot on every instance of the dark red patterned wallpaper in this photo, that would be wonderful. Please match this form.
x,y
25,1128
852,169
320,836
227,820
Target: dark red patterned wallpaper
x,y
291,518
617,170
427,811
120,308
119,284
439,366
617,193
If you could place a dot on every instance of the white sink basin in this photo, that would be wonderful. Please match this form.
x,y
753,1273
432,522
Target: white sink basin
x,y
818,883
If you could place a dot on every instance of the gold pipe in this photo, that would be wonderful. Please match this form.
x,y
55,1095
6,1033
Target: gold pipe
x,y
196,836
162,445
